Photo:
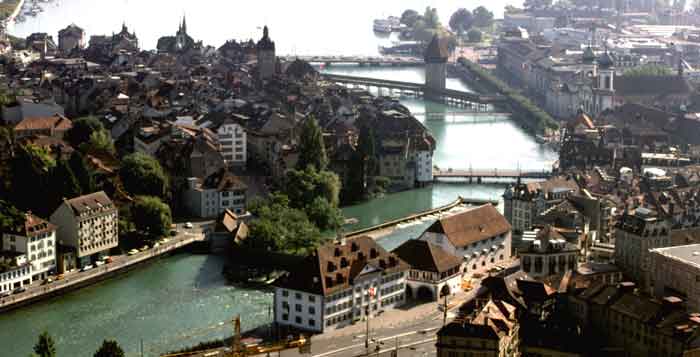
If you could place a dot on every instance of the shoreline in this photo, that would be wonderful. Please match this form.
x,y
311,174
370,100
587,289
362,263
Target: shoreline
x,y
78,280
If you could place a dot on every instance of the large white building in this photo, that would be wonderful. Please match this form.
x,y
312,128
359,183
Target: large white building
x,y
340,283
481,236
88,224
215,194
35,238
15,272
434,272
675,271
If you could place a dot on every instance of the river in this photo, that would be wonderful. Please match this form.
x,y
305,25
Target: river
x,y
182,300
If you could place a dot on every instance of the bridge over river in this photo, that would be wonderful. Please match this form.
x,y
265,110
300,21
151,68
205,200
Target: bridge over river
x,y
473,102
479,174
359,60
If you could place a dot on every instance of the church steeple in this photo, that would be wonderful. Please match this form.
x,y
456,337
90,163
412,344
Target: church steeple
x,y
183,26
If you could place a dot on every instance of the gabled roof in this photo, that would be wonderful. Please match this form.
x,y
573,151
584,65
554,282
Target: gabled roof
x,y
472,226
55,122
426,256
334,267
89,202
30,225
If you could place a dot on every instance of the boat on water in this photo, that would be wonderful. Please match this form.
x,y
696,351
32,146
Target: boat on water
x,y
403,48
382,26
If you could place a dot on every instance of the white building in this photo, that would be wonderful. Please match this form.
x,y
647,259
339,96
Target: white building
x,y
675,271
338,284
230,136
35,238
88,224
15,272
481,236
548,254
434,272
215,194
424,163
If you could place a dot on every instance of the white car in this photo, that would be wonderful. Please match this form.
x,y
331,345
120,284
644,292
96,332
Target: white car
x,y
189,225
87,267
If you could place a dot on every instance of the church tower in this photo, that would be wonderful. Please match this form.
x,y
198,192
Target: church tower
x,y
436,64
267,60
181,36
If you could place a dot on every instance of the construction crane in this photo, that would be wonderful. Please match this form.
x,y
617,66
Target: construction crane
x,y
240,349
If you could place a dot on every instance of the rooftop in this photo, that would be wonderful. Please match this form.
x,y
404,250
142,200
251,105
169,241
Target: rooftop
x,y
688,254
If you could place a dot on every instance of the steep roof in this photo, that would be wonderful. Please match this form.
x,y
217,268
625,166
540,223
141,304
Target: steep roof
x,y
334,267
472,226
426,256
89,202
55,122
224,180
437,51
652,85
30,225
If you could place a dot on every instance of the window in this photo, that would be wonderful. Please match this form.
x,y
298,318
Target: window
x,y
312,298
297,296
285,293
312,310
285,317
297,319
312,322
297,307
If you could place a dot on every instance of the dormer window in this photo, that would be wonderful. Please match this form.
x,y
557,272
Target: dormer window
x,y
343,262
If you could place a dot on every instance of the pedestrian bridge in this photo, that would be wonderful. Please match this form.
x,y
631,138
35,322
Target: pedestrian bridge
x,y
358,60
469,101
480,174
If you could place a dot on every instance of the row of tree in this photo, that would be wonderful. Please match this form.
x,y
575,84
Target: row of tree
x,y
426,26
463,20
46,347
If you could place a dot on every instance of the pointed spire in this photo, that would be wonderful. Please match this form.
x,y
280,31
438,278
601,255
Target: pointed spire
x,y
183,28
266,32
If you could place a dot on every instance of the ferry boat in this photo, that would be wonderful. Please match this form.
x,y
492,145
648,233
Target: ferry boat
x,y
403,48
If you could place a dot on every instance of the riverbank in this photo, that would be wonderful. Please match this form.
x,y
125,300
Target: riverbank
x,y
77,280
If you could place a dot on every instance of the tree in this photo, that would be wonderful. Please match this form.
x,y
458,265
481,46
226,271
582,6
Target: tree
x,y
482,17
151,216
409,17
100,143
31,170
461,20
302,187
431,18
312,150
324,215
537,4
356,182
510,9
82,172
63,184
648,70
109,348
82,130
9,215
142,175
474,35
44,347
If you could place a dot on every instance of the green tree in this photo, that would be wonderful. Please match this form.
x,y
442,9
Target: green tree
x,y
324,215
302,187
461,20
100,142
482,17
409,17
109,348
312,150
9,215
44,347
64,184
82,130
355,187
431,18
82,172
142,175
151,216
648,70
280,228
474,35
31,170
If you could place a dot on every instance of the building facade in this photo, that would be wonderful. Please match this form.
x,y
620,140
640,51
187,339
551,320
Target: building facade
x,y
36,239
548,254
215,194
436,64
338,284
267,60
637,233
89,225
480,236
434,272
675,271
70,38
15,272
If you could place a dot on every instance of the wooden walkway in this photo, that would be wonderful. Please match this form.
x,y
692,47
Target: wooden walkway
x,y
480,174
358,60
